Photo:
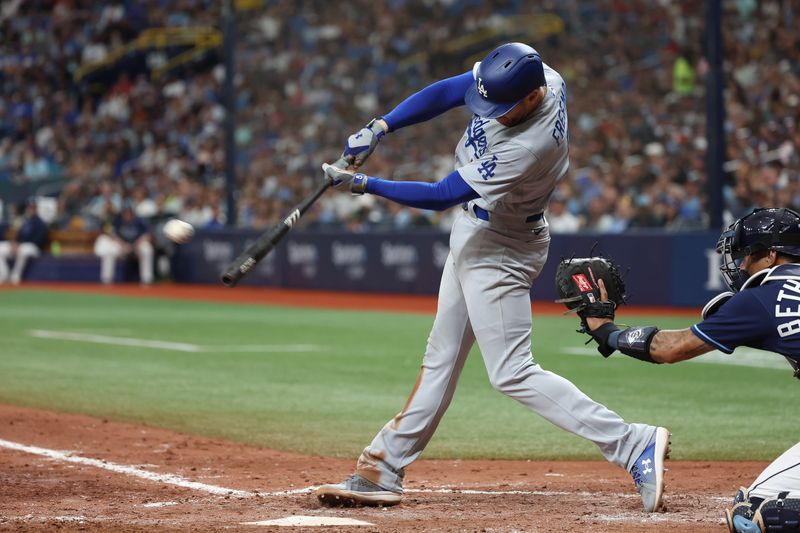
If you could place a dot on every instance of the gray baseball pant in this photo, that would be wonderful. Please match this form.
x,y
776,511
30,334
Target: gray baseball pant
x,y
485,296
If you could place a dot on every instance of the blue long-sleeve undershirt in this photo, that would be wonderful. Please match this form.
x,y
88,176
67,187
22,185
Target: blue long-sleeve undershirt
x,y
451,191
430,102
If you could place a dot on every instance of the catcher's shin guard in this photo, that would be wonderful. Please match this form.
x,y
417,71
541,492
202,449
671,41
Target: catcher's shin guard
x,y
779,514
742,506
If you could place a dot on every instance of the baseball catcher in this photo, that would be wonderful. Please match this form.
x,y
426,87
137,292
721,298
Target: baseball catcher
x,y
761,265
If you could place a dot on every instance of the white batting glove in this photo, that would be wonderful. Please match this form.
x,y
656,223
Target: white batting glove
x,y
343,179
340,177
361,144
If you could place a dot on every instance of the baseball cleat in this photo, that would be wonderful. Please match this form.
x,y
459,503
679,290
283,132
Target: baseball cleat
x,y
648,471
356,491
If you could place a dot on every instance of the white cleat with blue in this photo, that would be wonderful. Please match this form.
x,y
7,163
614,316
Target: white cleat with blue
x,y
648,471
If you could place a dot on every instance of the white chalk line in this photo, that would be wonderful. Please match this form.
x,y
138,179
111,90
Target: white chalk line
x,y
167,345
748,357
643,519
69,518
159,504
478,492
169,479
451,490
60,518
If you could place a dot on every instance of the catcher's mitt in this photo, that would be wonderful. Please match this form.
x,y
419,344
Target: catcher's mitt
x,y
576,283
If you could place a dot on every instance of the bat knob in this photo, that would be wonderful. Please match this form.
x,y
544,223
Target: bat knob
x,y
229,280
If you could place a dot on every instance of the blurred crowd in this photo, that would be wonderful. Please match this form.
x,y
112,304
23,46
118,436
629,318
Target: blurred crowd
x,y
309,72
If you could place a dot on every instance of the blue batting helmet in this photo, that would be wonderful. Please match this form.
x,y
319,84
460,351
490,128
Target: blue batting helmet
x,y
507,75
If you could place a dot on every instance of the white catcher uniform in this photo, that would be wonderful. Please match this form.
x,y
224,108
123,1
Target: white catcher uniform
x,y
498,246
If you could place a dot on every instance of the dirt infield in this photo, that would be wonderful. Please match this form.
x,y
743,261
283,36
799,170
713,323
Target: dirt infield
x,y
44,488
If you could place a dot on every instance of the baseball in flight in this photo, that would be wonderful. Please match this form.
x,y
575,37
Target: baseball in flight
x,y
178,231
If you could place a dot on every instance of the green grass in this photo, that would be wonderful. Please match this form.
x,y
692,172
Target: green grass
x,y
332,401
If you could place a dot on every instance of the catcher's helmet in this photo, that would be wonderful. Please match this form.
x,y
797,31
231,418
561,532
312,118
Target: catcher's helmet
x,y
507,75
764,229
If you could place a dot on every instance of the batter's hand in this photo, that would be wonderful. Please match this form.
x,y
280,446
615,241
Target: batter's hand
x,y
344,179
360,145
340,177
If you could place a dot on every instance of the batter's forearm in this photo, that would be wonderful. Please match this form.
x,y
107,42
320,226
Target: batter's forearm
x,y
451,191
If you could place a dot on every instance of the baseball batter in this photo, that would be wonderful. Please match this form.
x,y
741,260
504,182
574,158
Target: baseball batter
x,y
508,161
761,264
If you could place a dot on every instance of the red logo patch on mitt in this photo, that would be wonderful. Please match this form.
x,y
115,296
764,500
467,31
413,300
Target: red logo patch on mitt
x,y
582,283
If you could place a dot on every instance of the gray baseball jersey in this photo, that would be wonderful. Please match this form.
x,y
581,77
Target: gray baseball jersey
x,y
496,252
514,170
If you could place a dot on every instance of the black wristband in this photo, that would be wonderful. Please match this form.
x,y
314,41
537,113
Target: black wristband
x,y
601,335
635,342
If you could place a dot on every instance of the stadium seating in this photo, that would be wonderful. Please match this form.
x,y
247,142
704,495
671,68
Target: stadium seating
x,y
112,128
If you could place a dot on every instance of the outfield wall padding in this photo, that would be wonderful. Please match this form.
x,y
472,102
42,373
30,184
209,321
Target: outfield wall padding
x,y
674,269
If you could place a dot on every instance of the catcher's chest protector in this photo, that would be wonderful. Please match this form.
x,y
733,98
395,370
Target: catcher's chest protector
x,y
765,315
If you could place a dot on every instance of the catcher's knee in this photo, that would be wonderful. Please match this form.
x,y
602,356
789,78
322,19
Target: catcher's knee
x,y
771,515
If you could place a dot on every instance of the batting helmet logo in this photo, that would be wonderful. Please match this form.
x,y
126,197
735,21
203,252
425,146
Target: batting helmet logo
x,y
509,73
482,89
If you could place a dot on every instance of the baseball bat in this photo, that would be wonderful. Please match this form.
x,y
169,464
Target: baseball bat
x,y
267,241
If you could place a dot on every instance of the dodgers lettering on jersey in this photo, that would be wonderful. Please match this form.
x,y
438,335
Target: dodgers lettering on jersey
x,y
514,170
476,137
766,317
